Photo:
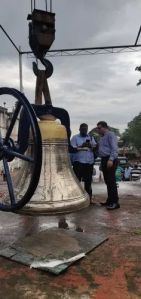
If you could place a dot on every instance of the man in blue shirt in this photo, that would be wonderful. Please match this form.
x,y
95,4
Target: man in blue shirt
x,y
127,173
83,158
108,151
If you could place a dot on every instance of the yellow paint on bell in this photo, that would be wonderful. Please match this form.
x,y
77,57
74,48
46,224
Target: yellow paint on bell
x,y
51,129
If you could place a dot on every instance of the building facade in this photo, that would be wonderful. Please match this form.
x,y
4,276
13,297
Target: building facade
x,y
5,120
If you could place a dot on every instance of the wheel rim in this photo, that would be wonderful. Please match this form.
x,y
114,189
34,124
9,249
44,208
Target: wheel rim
x,y
24,147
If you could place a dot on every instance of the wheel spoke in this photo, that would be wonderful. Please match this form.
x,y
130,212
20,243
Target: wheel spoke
x,y
15,147
14,118
1,141
18,155
9,181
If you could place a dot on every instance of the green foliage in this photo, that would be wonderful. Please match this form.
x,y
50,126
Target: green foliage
x,y
132,135
116,131
95,134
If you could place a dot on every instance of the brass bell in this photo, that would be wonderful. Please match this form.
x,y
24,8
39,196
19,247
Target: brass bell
x,y
58,190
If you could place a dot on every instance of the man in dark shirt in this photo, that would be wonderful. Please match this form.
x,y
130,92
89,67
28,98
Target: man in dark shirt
x,y
108,151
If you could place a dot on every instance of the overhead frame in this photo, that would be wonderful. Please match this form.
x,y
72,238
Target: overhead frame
x,y
84,51
94,50
76,51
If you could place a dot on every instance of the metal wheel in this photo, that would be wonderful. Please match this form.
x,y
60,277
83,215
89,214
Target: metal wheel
x,y
20,150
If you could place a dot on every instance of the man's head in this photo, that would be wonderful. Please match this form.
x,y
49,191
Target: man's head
x,y
102,127
83,129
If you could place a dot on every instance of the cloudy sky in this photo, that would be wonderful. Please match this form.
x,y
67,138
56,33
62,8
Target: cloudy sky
x,y
91,88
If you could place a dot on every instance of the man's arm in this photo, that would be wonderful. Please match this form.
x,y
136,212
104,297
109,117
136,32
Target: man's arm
x,y
114,149
76,147
73,142
73,145
114,146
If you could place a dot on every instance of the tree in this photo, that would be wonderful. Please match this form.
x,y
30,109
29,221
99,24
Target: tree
x,y
132,135
95,134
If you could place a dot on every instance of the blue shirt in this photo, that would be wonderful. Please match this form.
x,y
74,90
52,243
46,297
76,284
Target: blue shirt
x,y
82,156
127,172
108,145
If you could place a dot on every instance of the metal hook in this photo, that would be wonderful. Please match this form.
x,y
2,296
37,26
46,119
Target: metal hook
x,y
48,67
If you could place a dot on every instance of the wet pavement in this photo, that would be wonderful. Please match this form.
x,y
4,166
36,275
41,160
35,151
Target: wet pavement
x,y
111,271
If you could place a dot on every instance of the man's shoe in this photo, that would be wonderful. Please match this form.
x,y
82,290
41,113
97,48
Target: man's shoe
x,y
113,206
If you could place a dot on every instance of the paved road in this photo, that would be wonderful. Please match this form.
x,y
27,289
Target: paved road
x,y
112,271
125,188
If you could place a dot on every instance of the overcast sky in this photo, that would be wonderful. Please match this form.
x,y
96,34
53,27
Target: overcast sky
x,y
91,88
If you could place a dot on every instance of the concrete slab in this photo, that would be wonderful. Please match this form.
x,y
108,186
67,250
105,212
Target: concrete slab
x,y
53,250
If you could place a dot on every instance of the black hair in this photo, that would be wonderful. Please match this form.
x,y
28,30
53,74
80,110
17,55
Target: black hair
x,y
83,125
102,124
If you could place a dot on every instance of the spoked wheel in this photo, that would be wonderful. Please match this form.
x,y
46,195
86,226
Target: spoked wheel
x,y
20,150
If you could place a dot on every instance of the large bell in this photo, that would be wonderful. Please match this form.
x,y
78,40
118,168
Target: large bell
x,y
58,190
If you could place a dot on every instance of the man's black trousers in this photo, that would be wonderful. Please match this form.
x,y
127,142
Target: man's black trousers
x,y
84,172
110,180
